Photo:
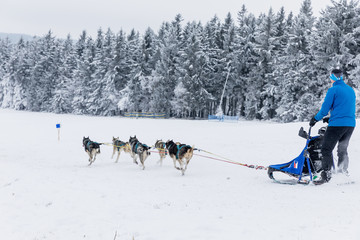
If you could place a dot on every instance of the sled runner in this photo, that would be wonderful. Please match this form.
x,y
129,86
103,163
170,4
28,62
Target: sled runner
x,y
307,163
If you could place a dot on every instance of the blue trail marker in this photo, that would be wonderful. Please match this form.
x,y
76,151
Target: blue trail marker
x,y
58,128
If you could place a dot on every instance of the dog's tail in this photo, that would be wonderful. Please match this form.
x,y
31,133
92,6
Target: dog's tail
x,y
127,147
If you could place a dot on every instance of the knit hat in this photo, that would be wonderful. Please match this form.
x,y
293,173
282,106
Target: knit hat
x,y
336,75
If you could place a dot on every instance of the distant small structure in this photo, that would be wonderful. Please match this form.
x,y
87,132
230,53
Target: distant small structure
x,y
223,118
144,115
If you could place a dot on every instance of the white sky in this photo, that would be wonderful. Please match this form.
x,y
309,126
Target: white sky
x,y
37,17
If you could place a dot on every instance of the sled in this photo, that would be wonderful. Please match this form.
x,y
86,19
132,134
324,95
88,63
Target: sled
x,y
305,164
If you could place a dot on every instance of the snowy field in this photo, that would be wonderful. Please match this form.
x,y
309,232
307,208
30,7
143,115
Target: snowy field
x,y
48,191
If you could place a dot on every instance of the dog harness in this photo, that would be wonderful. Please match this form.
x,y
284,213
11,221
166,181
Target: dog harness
x,y
91,142
88,145
136,146
164,148
179,148
118,144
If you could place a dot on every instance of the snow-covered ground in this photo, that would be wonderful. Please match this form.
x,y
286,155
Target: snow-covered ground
x,y
48,191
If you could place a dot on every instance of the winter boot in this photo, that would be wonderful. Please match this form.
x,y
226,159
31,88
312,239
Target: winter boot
x,y
325,177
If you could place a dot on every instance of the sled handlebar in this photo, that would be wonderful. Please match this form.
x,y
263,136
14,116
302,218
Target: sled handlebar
x,y
309,133
304,134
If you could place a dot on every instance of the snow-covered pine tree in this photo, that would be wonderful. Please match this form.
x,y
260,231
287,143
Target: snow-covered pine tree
x,y
228,59
213,70
122,70
334,43
45,72
83,75
149,57
259,102
190,94
165,76
294,73
134,88
110,93
244,59
5,52
96,84
121,61
102,96
9,71
64,89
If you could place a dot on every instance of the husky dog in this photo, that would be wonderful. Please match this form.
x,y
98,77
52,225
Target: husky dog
x,y
161,147
91,148
119,146
181,153
139,149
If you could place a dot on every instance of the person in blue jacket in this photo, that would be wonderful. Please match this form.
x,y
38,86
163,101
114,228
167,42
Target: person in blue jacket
x,y
340,102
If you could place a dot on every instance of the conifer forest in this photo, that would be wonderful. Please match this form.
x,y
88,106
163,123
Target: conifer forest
x,y
276,66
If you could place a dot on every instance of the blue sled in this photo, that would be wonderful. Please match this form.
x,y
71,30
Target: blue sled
x,y
303,165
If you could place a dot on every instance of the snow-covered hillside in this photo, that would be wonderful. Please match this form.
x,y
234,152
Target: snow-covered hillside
x,y
48,191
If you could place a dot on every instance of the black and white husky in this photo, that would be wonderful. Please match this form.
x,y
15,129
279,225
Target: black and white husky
x,y
181,153
161,147
119,146
140,150
91,148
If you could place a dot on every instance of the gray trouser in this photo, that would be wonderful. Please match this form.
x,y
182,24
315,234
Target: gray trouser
x,y
334,135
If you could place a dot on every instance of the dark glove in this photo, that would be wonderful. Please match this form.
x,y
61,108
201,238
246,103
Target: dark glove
x,y
326,120
312,122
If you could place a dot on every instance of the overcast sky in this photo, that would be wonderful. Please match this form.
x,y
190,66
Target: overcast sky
x,y
37,17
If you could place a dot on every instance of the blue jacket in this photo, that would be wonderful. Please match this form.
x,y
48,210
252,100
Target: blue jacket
x,y
340,101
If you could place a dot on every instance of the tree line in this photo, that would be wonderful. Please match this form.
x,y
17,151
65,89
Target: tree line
x,y
276,66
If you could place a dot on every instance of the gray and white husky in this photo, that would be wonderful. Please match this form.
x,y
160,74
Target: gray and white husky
x,y
119,146
161,147
140,150
91,148
180,153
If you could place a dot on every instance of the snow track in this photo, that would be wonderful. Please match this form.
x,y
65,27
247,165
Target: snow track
x,y
48,191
